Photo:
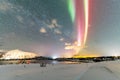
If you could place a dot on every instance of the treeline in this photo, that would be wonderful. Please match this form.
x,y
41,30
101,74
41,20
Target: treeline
x,y
87,59
91,59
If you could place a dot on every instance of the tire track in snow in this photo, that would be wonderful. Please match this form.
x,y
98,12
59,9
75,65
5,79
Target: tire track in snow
x,y
98,72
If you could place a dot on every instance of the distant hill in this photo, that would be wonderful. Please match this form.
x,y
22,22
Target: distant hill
x,y
17,54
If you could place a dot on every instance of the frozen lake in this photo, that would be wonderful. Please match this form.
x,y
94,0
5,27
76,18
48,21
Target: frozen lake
x,y
83,71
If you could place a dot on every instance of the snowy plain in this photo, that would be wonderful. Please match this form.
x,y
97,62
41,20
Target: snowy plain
x,y
84,71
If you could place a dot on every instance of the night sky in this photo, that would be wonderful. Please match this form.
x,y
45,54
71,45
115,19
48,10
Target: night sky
x,y
44,26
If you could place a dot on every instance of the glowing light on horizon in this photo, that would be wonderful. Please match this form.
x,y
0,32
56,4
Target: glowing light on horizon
x,y
54,57
86,55
86,8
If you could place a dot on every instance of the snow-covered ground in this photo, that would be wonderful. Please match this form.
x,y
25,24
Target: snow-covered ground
x,y
83,71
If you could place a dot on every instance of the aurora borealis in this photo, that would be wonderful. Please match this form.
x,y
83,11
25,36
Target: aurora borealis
x,y
86,6
47,26
80,17
71,8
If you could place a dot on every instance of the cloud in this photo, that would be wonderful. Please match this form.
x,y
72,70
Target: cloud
x,y
54,24
51,26
61,39
4,6
68,44
57,31
43,30
20,18
54,21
